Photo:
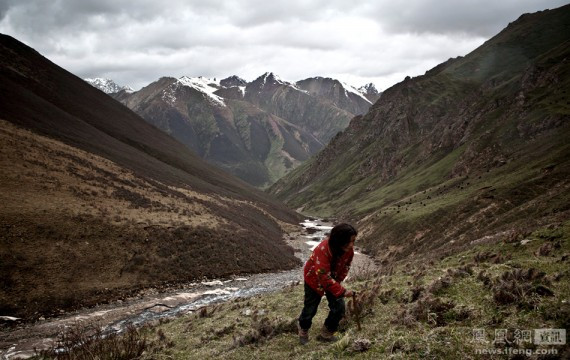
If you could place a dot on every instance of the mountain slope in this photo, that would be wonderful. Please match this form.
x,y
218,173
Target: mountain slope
x,y
340,95
320,117
98,203
222,128
475,150
220,119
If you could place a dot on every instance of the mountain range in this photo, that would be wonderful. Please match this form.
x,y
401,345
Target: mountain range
x,y
474,151
98,204
257,130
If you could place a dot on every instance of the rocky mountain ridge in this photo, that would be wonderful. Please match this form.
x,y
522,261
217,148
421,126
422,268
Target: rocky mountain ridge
x,y
257,131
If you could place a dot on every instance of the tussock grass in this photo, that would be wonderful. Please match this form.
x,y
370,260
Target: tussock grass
x,y
415,310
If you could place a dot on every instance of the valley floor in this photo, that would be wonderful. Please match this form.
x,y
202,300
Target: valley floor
x,y
154,305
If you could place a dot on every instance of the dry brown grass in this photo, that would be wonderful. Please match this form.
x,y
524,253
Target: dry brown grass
x,y
82,183
80,229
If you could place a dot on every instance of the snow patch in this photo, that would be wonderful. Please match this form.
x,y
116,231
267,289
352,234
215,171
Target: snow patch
x,y
205,86
352,89
169,96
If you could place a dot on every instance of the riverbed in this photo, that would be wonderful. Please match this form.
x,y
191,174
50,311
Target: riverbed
x,y
20,341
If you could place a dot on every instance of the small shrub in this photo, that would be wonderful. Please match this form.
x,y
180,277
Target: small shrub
x,y
460,272
361,345
361,304
545,250
440,284
484,278
363,273
431,310
490,257
521,287
89,342
205,313
416,292
264,329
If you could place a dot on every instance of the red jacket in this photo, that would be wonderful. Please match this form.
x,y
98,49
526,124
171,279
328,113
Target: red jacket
x,y
318,274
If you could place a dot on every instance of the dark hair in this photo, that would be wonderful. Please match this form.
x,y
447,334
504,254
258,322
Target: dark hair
x,y
340,236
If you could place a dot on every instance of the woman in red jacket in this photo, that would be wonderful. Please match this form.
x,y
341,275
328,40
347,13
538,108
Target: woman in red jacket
x,y
327,266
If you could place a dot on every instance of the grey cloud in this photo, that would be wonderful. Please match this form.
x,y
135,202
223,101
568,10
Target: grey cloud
x,y
135,43
4,6
450,16
41,18
260,12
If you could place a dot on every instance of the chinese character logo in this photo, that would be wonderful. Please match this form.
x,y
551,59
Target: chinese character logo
x,y
550,336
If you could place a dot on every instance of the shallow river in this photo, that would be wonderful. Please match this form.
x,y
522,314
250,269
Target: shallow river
x,y
20,341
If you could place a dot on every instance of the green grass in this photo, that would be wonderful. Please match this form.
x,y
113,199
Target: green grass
x,y
391,336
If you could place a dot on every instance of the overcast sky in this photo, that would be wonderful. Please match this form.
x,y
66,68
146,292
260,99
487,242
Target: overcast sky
x,y
136,42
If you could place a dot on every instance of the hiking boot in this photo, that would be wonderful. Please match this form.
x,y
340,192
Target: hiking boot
x,y
303,335
326,335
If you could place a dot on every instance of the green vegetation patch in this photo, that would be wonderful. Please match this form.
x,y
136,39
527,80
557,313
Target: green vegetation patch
x,y
446,308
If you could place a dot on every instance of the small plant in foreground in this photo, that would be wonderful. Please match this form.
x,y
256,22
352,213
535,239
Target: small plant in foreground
x,y
90,342
361,304
264,329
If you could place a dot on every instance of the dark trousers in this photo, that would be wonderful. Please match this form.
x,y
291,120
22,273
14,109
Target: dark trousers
x,y
311,304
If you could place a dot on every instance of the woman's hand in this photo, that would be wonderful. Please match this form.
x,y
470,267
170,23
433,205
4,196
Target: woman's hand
x,y
349,293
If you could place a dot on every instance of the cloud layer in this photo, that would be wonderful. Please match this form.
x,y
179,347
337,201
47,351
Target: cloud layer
x,y
135,43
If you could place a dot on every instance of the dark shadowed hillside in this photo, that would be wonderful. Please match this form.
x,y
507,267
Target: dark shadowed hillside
x,y
476,150
97,203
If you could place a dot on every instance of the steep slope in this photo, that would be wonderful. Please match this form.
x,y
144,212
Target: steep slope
x,y
320,117
475,150
96,202
219,119
223,129
340,95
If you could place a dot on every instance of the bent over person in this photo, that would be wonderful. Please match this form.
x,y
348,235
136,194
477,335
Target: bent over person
x,y
327,266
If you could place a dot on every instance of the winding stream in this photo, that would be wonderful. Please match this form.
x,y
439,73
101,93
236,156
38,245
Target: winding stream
x,y
19,342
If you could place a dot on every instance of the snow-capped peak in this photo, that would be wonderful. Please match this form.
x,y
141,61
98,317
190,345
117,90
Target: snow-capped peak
x,y
108,86
271,78
204,85
368,89
352,89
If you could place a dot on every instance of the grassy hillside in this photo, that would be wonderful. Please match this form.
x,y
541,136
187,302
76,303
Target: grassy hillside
x,y
476,147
